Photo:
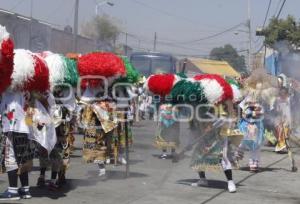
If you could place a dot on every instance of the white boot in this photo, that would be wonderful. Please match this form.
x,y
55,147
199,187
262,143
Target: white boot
x,y
102,172
201,182
122,160
231,187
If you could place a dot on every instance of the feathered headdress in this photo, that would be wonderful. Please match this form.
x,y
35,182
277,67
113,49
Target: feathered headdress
x,y
56,67
216,88
187,90
204,88
102,64
236,90
30,72
61,70
132,75
6,59
161,84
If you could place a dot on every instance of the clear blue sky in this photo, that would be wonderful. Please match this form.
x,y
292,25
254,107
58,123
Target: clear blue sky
x,y
173,20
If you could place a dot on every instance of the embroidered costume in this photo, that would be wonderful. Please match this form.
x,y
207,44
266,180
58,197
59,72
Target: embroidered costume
x,y
168,131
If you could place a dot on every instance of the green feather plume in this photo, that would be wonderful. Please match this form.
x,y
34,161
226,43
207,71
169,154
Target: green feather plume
x,y
132,75
71,73
233,82
186,91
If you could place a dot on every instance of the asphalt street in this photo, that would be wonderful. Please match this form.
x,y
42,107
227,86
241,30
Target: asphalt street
x,y
158,181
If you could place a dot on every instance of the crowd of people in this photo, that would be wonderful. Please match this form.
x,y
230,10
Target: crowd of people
x,y
46,97
256,111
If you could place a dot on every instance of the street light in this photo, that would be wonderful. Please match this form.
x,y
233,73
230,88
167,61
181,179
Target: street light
x,y
240,31
102,4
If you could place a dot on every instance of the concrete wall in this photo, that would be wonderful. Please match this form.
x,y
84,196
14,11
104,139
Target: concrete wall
x,y
44,37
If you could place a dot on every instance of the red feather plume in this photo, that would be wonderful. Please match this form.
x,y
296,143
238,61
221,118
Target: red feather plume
x,y
102,64
6,63
161,84
40,80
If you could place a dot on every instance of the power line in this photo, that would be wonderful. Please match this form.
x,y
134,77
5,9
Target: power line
x,y
164,43
264,24
280,9
20,2
277,7
165,12
187,20
167,44
172,41
214,35
265,20
179,46
267,14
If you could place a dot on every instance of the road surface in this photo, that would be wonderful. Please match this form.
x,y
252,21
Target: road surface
x,y
162,182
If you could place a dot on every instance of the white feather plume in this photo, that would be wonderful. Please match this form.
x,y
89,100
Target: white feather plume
x,y
146,87
237,95
176,79
23,68
212,90
4,35
56,67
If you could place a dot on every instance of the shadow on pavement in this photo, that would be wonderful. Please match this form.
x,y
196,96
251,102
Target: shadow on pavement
x,y
11,203
114,175
72,184
261,169
216,184
169,156
135,161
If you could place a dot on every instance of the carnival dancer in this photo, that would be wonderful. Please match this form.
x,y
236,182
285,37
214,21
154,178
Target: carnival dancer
x,y
6,69
98,115
18,148
168,130
99,121
214,128
284,120
64,130
51,157
124,94
212,152
29,74
62,76
159,86
252,126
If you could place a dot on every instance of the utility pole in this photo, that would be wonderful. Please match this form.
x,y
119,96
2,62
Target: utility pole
x,y
75,32
31,8
155,40
250,37
30,25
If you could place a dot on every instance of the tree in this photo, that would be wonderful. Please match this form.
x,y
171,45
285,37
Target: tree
x,y
229,53
102,28
282,30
